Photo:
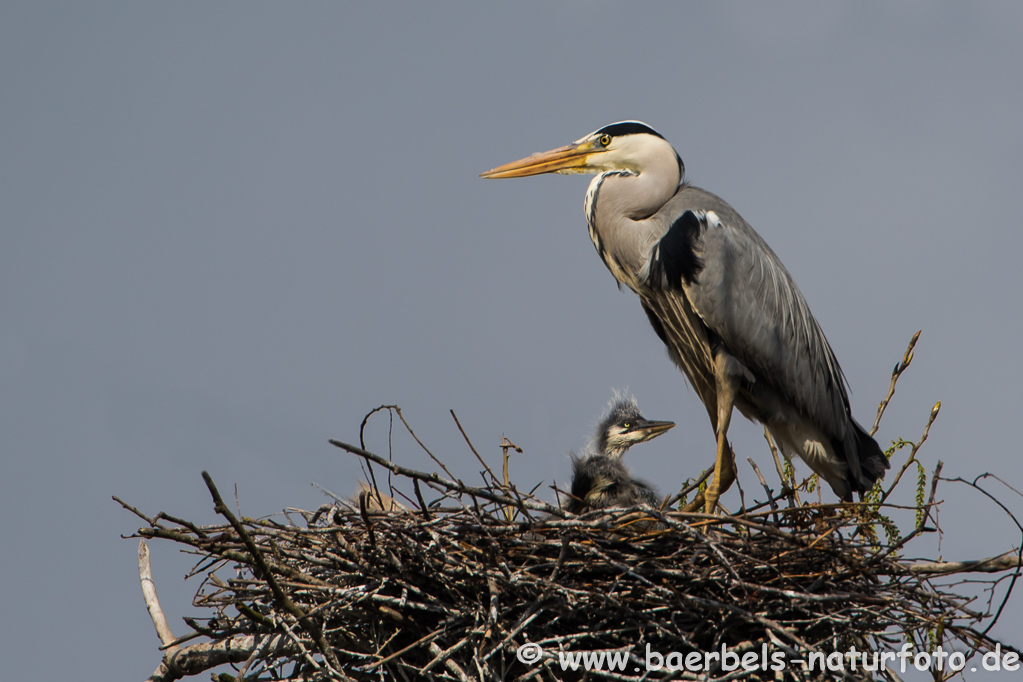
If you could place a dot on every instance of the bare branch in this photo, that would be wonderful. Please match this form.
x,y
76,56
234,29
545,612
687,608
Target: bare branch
x,y
199,658
163,630
995,564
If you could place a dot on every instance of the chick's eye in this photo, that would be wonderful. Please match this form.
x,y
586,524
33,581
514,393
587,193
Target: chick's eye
x,y
604,140
625,424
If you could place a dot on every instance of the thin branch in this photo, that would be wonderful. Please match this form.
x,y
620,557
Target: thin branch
x,y
900,367
451,485
704,475
916,448
493,477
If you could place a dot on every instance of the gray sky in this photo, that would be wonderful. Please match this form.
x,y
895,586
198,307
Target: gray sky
x,y
232,230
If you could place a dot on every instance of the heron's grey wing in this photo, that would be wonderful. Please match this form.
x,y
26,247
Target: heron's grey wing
x,y
745,296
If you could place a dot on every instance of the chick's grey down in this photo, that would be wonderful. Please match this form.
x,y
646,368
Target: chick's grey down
x,y
599,477
725,307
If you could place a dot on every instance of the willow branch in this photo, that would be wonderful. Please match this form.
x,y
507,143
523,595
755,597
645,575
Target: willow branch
x,y
916,448
900,367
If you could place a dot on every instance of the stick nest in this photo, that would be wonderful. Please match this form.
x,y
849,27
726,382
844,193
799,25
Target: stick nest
x,y
452,589
464,587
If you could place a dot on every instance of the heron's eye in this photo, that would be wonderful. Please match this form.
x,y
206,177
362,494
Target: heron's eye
x,y
604,140
626,425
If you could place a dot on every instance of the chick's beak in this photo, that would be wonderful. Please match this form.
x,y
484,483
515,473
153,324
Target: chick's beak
x,y
649,429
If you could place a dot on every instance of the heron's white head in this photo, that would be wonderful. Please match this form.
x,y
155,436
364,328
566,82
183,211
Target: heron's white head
x,y
627,146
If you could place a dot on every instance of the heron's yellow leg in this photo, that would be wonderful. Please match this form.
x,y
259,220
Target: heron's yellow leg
x,y
724,475
724,464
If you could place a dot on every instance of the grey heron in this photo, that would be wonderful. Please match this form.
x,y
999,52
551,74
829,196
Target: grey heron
x,y
725,307
599,478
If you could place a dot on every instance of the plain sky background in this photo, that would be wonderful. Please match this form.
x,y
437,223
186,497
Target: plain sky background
x,y
231,230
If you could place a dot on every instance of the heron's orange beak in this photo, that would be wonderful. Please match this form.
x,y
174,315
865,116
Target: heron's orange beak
x,y
573,158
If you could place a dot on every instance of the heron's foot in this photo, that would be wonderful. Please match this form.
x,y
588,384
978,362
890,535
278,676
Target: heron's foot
x,y
724,476
711,495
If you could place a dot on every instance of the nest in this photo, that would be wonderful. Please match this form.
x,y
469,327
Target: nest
x,y
468,587
491,583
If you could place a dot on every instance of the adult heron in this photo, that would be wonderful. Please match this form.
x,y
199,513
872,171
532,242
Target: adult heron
x,y
728,311
599,477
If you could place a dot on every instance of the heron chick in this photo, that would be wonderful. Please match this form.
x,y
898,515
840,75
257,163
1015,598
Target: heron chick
x,y
599,477
720,300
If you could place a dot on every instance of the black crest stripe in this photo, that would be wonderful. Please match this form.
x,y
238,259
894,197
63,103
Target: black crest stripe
x,y
628,128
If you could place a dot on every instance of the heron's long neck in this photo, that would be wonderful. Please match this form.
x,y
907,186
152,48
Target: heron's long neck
x,y
620,209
